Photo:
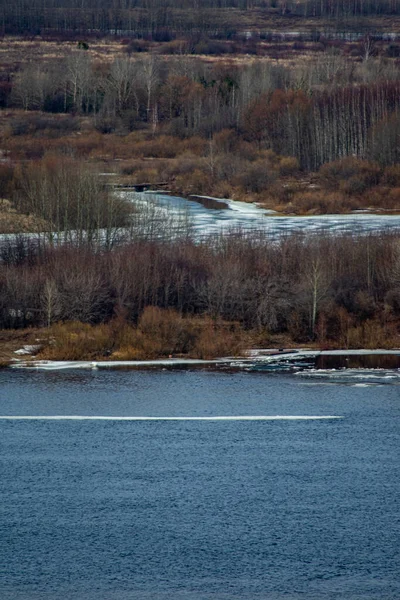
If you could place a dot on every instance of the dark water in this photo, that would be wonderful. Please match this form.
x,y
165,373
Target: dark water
x,y
197,509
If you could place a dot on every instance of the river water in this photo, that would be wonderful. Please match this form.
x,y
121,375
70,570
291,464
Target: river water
x,y
199,510
204,216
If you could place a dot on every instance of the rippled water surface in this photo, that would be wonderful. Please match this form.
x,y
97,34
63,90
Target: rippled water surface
x,y
198,509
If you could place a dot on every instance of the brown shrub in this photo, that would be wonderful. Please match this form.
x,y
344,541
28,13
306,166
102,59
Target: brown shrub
x,y
281,195
223,189
354,185
373,334
351,175
146,176
249,151
197,182
27,148
218,341
129,168
134,46
194,145
288,165
160,147
161,332
333,325
392,300
226,140
186,164
256,177
42,125
13,222
77,341
391,199
321,203
382,198
298,327
391,176
176,47
6,180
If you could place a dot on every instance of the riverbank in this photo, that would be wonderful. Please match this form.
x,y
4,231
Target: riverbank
x,y
217,296
29,349
372,365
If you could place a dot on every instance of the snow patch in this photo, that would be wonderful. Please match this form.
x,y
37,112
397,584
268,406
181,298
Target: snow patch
x,y
27,350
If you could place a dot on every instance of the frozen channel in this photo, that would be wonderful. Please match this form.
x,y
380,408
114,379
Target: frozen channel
x,y
234,215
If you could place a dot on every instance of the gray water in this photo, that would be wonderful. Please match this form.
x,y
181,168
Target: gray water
x,y
198,509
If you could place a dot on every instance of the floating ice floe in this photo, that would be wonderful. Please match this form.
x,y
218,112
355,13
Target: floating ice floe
x,y
355,377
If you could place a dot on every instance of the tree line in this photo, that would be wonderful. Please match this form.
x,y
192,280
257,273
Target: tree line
x,y
341,290
318,113
165,19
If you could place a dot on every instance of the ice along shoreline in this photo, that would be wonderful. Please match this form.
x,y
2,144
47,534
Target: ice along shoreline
x,y
256,359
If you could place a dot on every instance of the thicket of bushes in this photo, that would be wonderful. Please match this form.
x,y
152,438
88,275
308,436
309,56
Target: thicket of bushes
x,y
341,290
225,167
66,199
159,333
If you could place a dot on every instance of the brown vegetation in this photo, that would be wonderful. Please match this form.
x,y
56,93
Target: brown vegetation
x,y
156,298
304,124
159,333
257,129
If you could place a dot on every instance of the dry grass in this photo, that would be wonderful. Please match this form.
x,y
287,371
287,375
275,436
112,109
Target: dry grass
x,y
159,333
373,334
76,341
15,50
13,222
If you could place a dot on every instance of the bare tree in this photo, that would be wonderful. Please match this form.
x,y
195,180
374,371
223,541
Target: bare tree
x,y
77,77
368,47
149,68
51,301
122,85
30,87
71,200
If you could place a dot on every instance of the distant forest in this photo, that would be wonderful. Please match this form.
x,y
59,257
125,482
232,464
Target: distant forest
x,y
167,18
317,113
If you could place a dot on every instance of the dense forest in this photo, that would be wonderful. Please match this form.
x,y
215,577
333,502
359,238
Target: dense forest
x,y
168,18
